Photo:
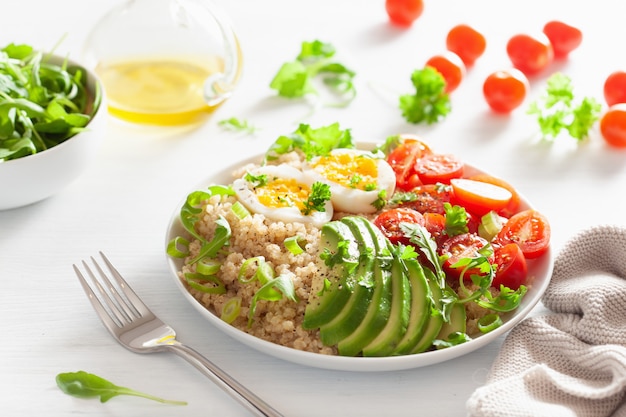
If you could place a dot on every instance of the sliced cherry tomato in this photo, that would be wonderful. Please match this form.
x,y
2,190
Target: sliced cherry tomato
x,y
466,42
430,198
435,223
530,230
513,206
479,197
404,12
530,54
505,90
389,223
451,67
563,37
435,168
511,267
458,247
615,88
613,126
402,160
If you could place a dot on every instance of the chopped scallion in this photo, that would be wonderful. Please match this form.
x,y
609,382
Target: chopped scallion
x,y
178,247
240,211
489,322
294,244
209,284
208,266
231,309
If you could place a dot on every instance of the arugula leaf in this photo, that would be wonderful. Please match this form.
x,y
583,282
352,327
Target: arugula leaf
x,y
430,103
294,79
556,110
320,194
312,142
82,384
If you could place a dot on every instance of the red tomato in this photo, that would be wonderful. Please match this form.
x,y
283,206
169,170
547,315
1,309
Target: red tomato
x,y
513,205
466,42
613,126
435,223
429,198
461,246
511,268
530,230
451,67
404,12
615,88
505,91
389,223
402,160
435,168
530,54
479,197
563,37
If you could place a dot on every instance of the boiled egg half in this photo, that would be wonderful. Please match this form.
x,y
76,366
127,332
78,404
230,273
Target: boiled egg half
x,y
280,193
358,180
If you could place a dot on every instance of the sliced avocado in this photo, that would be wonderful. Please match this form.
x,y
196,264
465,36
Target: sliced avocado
x,y
325,303
434,321
376,317
420,308
387,340
457,323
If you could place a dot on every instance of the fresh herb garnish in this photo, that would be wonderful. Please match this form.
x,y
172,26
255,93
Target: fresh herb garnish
x,y
82,384
295,79
256,180
311,142
557,111
320,194
238,125
430,103
456,220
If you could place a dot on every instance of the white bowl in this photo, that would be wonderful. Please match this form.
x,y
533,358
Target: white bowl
x,y
35,177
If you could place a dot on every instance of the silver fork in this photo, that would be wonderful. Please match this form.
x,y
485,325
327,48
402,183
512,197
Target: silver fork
x,y
136,328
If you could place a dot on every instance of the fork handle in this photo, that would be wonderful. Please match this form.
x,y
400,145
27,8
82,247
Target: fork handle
x,y
240,393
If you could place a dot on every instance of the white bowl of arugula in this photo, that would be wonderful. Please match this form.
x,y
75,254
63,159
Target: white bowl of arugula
x,y
51,123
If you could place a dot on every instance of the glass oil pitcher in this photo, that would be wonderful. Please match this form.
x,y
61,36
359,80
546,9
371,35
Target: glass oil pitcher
x,y
165,62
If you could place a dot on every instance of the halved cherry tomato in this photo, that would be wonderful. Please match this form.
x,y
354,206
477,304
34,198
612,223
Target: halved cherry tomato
x,y
479,197
563,37
513,206
435,223
429,198
530,230
441,168
613,126
404,12
402,160
458,247
505,90
389,223
615,88
530,54
511,267
451,67
466,42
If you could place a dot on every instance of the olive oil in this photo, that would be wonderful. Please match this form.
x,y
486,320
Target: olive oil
x,y
160,91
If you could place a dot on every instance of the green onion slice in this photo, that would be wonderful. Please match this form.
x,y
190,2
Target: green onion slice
x,y
240,211
178,247
231,309
489,322
209,284
294,244
208,266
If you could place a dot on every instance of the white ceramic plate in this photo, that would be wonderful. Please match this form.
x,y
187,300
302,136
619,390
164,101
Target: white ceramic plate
x,y
540,268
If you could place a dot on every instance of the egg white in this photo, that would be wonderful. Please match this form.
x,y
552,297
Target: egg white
x,y
351,198
246,192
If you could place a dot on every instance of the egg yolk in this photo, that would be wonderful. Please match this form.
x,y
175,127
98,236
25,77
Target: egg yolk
x,y
283,192
360,172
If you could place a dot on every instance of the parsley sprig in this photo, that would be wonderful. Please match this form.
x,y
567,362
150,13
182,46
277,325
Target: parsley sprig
x,y
320,194
430,103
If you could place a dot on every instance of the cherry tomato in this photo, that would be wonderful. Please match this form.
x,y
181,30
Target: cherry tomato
x,y
435,223
466,42
479,197
505,91
435,168
530,230
513,205
389,223
461,246
402,160
530,54
615,88
430,198
511,267
563,37
404,12
613,125
451,67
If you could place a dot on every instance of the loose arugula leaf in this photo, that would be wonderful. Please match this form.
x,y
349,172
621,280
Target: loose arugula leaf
x,y
556,110
238,125
418,235
430,103
82,384
320,194
312,142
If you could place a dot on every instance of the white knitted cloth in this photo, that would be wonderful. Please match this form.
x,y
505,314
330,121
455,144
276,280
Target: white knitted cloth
x,y
571,362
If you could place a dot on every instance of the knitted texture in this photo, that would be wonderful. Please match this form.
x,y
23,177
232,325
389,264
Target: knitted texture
x,y
571,362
